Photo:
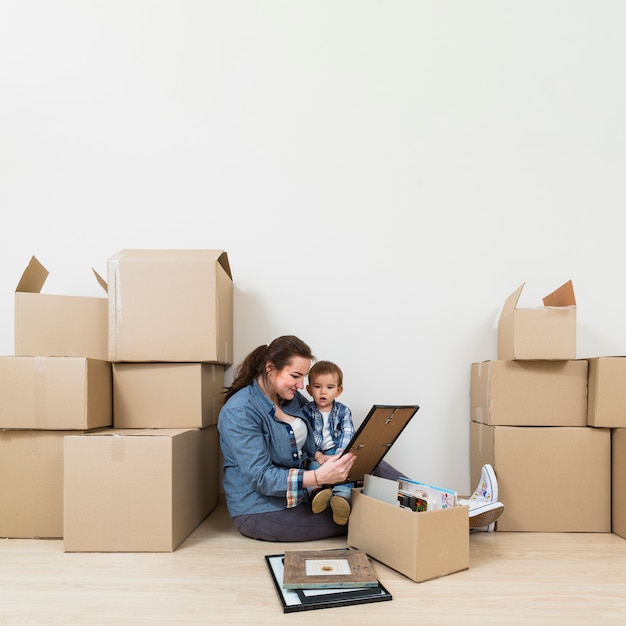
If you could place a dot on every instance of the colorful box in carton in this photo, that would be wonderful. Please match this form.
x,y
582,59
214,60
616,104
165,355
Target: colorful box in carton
x,y
58,325
422,546
167,395
170,306
137,490
529,393
31,483
549,479
55,393
618,511
607,392
547,332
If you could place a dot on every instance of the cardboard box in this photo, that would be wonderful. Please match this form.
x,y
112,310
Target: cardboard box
x,y
170,306
167,395
55,393
137,490
618,511
607,392
422,546
549,479
547,332
58,325
529,393
31,483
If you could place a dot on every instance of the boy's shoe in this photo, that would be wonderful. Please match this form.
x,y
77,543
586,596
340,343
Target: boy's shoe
x,y
482,514
487,488
319,501
341,510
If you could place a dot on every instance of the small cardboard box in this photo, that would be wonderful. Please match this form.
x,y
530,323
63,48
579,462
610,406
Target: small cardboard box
x,y
58,325
137,490
31,483
529,393
607,392
618,511
55,393
422,546
167,395
170,306
547,332
549,479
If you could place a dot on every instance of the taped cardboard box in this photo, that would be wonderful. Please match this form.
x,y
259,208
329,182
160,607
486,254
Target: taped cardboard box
x,y
618,511
422,546
31,483
607,392
58,325
549,479
55,393
547,332
170,306
529,393
137,490
167,395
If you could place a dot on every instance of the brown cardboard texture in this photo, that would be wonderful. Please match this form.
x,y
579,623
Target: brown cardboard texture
x,y
167,395
58,325
607,392
422,546
170,306
529,393
55,393
137,490
618,510
547,332
549,479
31,483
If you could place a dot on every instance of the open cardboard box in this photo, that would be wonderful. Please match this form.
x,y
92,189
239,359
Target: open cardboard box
x,y
422,546
58,325
547,332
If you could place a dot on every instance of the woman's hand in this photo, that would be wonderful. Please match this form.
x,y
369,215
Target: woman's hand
x,y
336,469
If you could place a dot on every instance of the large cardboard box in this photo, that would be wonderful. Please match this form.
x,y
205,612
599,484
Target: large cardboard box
x,y
607,392
170,306
55,393
618,511
167,395
529,393
547,332
137,490
549,479
58,325
31,483
422,546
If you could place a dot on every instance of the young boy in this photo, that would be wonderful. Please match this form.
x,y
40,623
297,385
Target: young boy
x,y
333,427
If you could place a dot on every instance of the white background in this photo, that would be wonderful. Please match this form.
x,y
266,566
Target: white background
x,y
382,174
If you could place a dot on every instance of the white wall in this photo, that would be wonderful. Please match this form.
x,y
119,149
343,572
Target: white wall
x,y
382,174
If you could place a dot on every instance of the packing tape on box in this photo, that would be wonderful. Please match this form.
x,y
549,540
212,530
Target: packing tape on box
x,y
40,391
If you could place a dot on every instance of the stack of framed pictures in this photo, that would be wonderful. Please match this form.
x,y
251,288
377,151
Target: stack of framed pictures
x,y
324,579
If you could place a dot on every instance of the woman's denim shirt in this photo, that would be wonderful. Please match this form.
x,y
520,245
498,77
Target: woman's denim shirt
x,y
262,468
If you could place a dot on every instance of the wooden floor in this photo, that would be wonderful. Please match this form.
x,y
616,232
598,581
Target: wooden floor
x,y
219,577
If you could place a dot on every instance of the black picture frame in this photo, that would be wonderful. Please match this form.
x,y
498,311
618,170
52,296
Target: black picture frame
x,y
293,600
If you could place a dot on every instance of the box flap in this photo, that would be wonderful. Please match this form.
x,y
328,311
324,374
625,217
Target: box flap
x,y
563,296
33,278
101,281
511,302
219,256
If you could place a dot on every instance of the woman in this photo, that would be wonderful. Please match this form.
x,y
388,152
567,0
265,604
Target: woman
x,y
267,443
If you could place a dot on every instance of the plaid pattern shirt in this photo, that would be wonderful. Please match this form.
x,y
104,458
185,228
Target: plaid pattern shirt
x,y
339,422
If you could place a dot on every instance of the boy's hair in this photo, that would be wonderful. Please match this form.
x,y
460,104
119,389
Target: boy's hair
x,y
322,368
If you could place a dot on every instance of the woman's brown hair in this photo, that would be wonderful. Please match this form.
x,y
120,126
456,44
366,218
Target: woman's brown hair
x,y
279,353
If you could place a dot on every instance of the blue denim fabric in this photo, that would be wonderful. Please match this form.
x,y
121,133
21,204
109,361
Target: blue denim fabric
x,y
259,452
339,422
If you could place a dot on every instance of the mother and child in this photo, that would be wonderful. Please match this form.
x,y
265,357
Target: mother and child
x,y
285,473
